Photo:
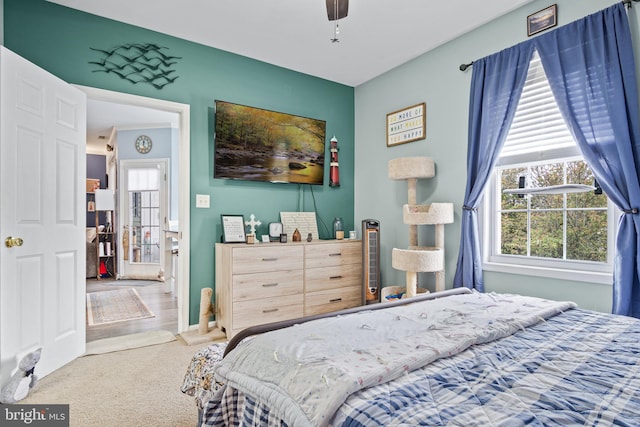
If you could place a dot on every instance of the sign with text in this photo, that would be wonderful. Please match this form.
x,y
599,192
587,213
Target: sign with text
x,y
406,125
34,415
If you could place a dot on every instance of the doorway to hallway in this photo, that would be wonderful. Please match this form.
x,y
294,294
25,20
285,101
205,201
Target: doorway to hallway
x,y
182,167
163,305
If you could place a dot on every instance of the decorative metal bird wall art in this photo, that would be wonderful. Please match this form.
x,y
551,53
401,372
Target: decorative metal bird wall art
x,y
138,63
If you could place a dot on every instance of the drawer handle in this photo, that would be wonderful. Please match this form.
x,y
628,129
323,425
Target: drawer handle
x,y
269,285
335,300
273,310
269,259
336,254
335,277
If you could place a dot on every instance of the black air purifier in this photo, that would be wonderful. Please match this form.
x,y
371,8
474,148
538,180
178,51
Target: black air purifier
x,y
370,261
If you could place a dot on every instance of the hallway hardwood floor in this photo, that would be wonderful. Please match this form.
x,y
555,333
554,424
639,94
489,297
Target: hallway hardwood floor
x,y
163,305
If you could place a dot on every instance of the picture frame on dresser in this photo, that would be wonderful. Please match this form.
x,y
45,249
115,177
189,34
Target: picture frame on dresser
x,y
233,229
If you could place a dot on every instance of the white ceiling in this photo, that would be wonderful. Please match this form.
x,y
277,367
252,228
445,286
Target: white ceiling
x,y
103,116
376,36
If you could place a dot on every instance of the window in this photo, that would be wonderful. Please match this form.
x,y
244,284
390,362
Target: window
x,y
543,212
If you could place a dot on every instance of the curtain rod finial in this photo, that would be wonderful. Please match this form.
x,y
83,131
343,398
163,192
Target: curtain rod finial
x,y
463,67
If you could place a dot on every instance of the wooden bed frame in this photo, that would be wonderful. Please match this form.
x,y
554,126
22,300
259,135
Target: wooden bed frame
x,y
259,329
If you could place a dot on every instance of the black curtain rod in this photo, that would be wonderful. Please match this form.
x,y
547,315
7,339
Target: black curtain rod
x,y
463,67
628,3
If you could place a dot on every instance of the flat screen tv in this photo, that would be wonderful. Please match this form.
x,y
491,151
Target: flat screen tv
x,y
261,145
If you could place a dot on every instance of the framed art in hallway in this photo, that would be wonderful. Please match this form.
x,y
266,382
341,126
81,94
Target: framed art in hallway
x,y
92,185
542,20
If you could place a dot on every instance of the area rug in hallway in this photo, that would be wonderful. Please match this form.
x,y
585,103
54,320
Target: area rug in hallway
x,y
118,305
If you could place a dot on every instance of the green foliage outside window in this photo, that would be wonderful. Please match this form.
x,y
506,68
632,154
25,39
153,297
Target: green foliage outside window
x,y
569,226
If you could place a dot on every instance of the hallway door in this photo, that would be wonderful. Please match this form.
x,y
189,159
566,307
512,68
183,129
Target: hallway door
x,y
42,220
143,214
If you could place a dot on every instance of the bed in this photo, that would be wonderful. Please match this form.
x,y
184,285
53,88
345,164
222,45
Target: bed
x,y
463,360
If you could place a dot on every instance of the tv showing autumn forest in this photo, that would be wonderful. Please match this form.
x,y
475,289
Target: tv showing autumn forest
x,y
262,145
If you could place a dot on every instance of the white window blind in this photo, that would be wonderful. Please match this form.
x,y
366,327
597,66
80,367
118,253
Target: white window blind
x,y
143,179
538,131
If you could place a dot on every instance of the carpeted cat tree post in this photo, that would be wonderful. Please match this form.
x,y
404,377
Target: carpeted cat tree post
x,y
203,334
420,259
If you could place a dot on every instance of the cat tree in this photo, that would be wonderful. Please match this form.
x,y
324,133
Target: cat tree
x,y
420,259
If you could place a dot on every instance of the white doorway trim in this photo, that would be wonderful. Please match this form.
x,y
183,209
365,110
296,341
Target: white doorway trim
x,y
184,141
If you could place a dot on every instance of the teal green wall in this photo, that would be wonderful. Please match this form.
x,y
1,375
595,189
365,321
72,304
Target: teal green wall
x,y
434,78
57,39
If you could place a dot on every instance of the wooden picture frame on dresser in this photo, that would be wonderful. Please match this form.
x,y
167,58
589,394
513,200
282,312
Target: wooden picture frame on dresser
x,y
264,283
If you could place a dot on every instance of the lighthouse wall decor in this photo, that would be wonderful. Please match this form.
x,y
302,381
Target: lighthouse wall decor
x,y
334,171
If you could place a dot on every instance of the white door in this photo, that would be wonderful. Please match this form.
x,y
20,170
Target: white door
x,y
143,213
42,169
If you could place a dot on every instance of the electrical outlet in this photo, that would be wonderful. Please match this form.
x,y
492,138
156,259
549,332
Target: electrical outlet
x,y
202,200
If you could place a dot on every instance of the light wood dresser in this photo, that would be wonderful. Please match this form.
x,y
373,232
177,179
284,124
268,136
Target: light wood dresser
x,y
269,282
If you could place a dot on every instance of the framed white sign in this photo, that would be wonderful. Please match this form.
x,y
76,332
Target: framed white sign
x,y
233,228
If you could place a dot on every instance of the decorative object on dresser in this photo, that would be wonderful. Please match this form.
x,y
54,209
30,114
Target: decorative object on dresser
x,y
338,228
252,223
305,222
267,283
275,230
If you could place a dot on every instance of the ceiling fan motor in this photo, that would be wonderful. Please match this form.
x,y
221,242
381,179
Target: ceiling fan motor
x,y
337,9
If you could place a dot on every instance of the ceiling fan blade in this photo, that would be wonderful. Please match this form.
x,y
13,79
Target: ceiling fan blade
x,y
338,12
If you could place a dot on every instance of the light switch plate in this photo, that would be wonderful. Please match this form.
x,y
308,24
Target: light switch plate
x,y
202,200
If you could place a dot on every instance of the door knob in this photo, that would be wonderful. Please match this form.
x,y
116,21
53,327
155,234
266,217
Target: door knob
x,y
13,241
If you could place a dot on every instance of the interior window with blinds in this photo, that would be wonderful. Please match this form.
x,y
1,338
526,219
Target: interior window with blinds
x,y
545,208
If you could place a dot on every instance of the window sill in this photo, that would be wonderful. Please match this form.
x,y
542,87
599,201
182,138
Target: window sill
x,y
553,273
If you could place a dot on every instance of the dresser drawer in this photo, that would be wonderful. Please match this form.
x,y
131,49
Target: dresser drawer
x,y
270,257
332,300
250,313
338,276
255,286
333,254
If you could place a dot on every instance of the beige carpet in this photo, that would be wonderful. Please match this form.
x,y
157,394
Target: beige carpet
x,y
127,342
118,305
132,388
